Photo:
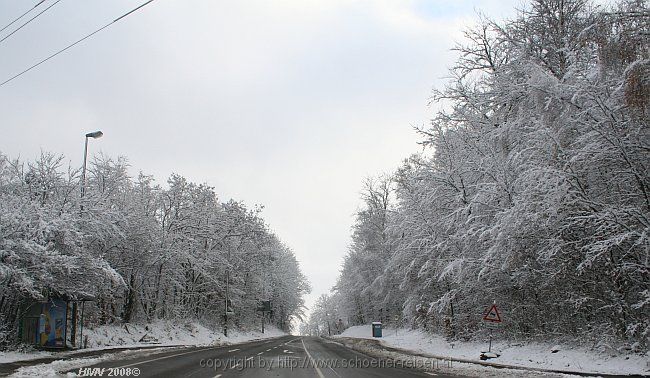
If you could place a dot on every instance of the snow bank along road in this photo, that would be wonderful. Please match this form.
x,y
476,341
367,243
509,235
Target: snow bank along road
x,y
289,356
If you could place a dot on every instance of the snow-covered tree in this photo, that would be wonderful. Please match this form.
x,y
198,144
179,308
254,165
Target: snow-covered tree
x,y
142,251
534,192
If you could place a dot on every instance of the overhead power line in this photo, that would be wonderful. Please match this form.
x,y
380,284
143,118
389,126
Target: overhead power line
x,y
22,15
74,43
30,20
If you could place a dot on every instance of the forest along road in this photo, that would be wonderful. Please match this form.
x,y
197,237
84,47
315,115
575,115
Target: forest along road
x,y
287,356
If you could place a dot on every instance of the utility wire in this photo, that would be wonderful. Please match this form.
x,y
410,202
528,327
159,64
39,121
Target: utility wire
x,y
22,15
74,43
30,20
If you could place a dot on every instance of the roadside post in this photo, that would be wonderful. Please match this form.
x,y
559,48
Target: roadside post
x,y
397,323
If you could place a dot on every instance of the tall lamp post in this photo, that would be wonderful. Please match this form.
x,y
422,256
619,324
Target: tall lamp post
x,y
73,333
94,135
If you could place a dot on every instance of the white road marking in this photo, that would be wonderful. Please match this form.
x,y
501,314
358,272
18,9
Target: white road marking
x,y
268,350
233,350
426,372
290,341
260,353
248,359
337,374
217,376
320,373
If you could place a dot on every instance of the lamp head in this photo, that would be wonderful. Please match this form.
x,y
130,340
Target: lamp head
x,y
96,134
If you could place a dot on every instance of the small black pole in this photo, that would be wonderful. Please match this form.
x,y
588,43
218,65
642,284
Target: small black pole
x,y
262,321
83,345
73,335
67,313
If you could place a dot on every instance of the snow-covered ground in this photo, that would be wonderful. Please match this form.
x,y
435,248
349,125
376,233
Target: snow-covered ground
x,y
170,333
54,368
162,333
535,355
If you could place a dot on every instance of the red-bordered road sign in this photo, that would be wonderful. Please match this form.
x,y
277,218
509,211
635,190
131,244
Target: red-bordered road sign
x,y
492,315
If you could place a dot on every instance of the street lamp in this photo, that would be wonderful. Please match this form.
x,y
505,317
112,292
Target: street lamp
x,y
94,135
73,336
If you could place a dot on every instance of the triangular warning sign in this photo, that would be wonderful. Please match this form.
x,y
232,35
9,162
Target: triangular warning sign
x,y
493,315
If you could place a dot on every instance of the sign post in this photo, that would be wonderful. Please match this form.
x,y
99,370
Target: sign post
x,y
493,317
264,307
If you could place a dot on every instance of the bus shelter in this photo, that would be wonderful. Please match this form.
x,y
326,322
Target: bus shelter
x,y
54,323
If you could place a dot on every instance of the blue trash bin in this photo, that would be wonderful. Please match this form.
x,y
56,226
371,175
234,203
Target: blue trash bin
x,y
376,329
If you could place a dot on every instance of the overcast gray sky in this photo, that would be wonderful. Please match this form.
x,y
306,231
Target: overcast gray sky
x,y
289,104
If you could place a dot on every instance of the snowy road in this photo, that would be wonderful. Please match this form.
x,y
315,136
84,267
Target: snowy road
x,y
289,356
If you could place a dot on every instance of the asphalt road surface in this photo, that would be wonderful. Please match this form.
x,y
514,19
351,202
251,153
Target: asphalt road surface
x,y
287,356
